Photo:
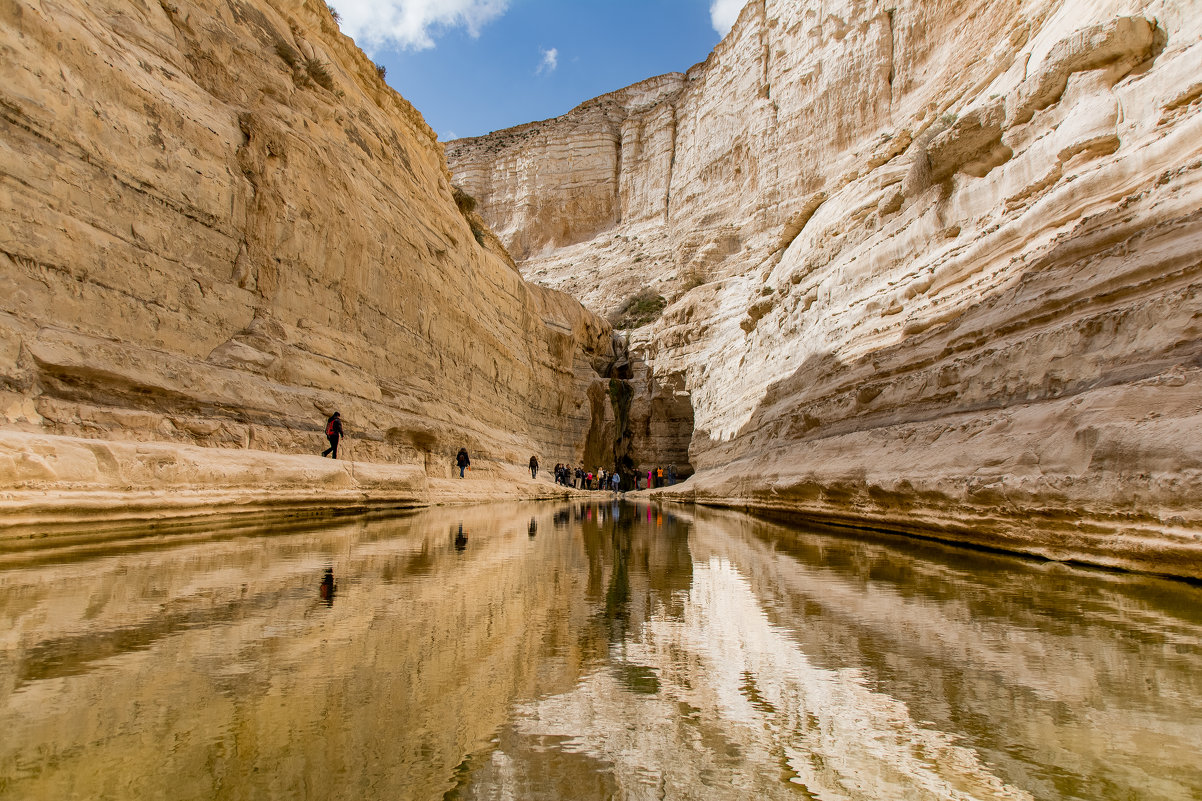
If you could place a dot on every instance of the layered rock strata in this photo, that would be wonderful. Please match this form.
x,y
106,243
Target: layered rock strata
x,y
932,266
217,226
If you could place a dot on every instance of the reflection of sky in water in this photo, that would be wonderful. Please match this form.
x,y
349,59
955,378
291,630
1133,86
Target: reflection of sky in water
x,y
587,651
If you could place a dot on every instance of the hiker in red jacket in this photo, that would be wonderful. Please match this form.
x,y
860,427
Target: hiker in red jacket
x,y
333,434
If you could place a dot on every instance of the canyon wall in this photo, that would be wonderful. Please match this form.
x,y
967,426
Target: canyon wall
x,y
217,226
931,266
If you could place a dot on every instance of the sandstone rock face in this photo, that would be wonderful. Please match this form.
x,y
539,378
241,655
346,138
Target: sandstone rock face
x,y
218,225
934,266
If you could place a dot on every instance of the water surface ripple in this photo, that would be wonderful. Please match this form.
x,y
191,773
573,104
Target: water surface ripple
x,y
587,651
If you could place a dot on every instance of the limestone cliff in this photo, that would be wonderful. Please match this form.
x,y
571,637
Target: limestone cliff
x,y
217,226
933,266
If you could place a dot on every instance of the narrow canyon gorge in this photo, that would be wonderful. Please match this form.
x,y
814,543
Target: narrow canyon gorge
x,y
929,267
924,267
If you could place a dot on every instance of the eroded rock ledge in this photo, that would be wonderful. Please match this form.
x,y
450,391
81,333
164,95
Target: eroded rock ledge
x,y
933,266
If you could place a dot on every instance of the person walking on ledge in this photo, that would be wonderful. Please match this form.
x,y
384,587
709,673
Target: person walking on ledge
x,y
533,466
462,461
333,434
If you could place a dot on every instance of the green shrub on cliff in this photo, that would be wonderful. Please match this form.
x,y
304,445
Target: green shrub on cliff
x,y
465,202
319,73
639,309
288,53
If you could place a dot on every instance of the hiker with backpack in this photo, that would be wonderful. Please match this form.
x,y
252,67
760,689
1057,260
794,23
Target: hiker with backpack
x,y
333,434
462,461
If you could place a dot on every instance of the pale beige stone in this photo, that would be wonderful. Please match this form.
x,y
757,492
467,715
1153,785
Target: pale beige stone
x,y
947,257
52,483
206,241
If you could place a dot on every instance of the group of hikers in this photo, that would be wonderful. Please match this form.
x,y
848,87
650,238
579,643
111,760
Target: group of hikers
x,y
602,479
582,479
576,477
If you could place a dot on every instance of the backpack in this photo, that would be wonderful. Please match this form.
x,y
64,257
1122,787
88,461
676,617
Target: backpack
x,y
330,427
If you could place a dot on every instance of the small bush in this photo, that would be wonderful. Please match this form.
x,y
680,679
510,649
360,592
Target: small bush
x,y
692,279
639,309
382,71
334,14
287,53
465,202
478,233
319,73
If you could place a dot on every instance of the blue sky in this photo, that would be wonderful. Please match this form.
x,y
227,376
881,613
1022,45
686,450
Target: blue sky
x,y
474,66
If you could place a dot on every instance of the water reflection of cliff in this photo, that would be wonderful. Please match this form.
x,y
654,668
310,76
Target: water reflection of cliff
x,y
638,568
184,672
638,560
589,651
822,666
230,653
1070,683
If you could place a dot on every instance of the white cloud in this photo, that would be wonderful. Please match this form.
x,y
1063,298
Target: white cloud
x,y
724,13
550,61
408,24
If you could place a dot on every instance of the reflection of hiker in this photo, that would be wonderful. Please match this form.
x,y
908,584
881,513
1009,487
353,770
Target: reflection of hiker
x,y
327,588
460,538
533,529
333,434
462,460
533,466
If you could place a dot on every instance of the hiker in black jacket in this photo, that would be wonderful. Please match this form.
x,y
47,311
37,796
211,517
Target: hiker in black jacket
x,y
333,434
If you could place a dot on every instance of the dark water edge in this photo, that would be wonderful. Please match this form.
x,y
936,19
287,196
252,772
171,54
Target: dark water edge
x,y
1122,553
918,541
587,651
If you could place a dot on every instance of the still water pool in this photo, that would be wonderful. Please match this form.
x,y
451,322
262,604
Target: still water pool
x,y
587,652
